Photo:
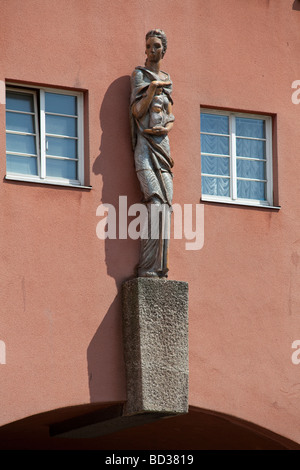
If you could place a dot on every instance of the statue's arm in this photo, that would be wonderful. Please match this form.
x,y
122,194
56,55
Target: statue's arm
x,y
141,106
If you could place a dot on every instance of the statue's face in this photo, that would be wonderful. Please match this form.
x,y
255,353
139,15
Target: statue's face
x,y
154,49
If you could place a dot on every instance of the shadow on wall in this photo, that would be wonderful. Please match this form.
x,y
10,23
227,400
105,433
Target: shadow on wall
x,y
116,165
296,5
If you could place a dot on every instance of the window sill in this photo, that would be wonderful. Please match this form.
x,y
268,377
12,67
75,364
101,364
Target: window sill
x,y
239,203
48,183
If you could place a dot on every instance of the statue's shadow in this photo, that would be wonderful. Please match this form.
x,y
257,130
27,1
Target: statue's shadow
x,y
116,165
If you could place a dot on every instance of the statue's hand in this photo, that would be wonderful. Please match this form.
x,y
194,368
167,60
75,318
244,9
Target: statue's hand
x,y
157,130
157,83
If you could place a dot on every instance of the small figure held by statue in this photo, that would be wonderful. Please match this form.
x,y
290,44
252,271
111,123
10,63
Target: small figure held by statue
x,y
151,121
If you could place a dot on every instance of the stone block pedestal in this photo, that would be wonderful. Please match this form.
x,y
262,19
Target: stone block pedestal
x,y
155,339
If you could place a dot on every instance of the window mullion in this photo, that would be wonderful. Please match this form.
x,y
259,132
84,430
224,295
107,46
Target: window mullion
x,y
43,134
233,157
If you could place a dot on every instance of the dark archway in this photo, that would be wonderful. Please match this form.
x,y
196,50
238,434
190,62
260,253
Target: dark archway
x,y
198,430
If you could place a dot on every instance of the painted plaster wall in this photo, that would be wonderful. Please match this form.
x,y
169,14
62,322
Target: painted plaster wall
x,y
60,307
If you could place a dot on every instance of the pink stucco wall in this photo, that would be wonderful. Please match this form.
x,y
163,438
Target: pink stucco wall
x,y
60,307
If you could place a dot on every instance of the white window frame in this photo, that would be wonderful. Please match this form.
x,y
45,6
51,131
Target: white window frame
x,y
233,199
41,136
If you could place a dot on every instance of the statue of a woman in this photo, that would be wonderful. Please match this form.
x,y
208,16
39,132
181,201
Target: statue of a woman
x,y
151,121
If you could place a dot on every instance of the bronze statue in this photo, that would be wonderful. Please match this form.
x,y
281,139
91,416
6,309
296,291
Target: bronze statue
x,y
151,121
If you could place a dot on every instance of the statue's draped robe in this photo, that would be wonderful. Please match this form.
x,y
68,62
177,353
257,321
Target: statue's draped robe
x,y
153,165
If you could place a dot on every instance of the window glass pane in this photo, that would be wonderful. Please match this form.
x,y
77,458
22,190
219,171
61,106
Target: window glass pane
x,y
251,190
214,144
19,101
250,127
214,123
61,104
250,148
21,165
61,125
215,186
20,122
20,143
251,169
61,147
215,165
61,168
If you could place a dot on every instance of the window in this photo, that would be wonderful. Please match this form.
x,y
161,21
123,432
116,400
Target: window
x,y
44,135
236,157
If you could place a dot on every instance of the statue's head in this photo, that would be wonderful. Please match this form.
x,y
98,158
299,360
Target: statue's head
x,y
158,33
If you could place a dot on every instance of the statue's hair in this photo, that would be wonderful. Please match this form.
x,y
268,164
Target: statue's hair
x,y
159,33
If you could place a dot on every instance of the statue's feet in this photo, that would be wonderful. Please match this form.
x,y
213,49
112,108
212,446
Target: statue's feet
x,y
152,274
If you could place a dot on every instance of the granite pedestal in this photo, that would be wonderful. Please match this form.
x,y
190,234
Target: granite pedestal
x,y
155,339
